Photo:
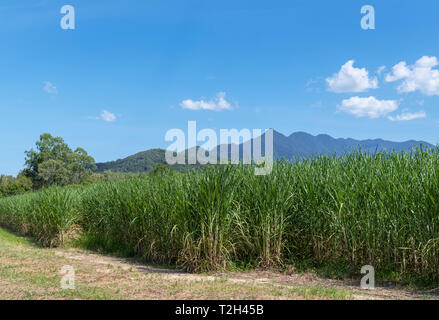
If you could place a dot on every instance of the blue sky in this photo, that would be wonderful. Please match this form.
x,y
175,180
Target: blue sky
x,y
133,69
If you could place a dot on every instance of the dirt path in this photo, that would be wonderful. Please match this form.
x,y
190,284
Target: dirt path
x,y
28,271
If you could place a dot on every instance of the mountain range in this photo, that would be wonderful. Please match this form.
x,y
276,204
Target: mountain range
x,y
296,145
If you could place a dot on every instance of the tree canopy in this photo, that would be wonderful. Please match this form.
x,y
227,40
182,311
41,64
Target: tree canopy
x,y
54,163
10,186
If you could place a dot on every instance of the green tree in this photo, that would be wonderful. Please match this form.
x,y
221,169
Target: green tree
x,y
161,169
10,186
53,162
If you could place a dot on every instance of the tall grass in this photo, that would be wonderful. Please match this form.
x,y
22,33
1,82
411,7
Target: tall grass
x,y
49,215
380,209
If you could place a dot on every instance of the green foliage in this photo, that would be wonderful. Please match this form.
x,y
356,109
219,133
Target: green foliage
x,y
111,176
54,163
48,215
10,186
340,212
141,162
160,169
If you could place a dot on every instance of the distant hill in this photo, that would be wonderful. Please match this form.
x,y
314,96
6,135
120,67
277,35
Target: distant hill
x,y
296,145
144,161
140,162
302,144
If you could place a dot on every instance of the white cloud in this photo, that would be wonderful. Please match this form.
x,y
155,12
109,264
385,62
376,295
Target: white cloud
x,y
368,107
50,88
217,104
407,116
421,76
314,84
107,116
381,69
351,79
